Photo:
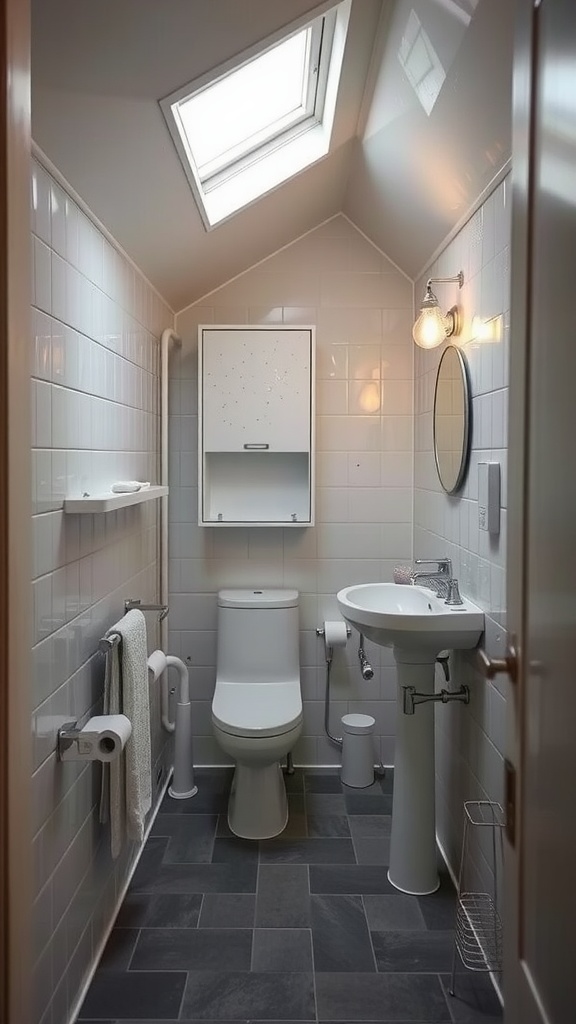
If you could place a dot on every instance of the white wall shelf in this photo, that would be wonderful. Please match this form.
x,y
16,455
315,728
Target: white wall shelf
x,y
256,425
110,502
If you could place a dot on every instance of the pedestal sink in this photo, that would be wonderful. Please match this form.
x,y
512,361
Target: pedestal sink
x,y
417,624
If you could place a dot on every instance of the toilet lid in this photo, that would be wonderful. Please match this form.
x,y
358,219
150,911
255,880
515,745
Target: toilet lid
x,y
257,709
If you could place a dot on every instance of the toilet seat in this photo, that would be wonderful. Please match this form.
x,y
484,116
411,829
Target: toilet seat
x,y
257,709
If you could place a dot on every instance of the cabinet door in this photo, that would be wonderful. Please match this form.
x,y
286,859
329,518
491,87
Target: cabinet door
x,y
256,389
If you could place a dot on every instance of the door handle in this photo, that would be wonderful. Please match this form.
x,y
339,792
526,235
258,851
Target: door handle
x,y
491,667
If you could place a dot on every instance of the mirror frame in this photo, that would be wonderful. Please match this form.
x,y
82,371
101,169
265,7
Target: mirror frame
x,y
465,457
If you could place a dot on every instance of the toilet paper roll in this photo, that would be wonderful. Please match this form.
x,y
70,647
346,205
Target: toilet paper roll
x,y
104,737
335,634
157,663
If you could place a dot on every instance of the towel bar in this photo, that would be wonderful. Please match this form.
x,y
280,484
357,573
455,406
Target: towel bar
x,y
106,643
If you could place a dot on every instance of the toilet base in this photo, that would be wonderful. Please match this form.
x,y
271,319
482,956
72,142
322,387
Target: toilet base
x,y
258,805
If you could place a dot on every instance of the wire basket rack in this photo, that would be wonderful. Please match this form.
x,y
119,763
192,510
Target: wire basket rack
x,y
478,928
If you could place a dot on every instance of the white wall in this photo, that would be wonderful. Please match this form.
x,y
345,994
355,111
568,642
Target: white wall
x,y
94,364
361,305
470,740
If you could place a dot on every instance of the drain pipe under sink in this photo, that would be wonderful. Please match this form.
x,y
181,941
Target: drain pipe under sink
x,y
367,673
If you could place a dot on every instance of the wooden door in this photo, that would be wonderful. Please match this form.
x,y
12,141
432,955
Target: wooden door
x,y
539,979
15,631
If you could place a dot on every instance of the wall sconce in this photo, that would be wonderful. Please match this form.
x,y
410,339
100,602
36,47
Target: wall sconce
x,y
433,326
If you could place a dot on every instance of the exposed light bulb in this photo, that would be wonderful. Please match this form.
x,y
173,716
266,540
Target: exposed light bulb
x,y
429,331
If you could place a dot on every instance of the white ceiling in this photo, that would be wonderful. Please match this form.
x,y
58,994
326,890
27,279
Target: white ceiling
x,y
99,69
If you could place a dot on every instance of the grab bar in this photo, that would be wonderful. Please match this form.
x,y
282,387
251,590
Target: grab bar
x,y
137,603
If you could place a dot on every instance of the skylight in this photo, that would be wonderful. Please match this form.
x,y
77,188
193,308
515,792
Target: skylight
x,y
260,119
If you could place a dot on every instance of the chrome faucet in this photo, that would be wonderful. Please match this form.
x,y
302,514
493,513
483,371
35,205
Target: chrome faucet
x,y
442,581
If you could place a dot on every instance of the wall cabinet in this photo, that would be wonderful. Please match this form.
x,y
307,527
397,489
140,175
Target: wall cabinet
x,y
256,425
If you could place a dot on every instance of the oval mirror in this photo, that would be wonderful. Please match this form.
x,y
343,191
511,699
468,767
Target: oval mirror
x,y
452,420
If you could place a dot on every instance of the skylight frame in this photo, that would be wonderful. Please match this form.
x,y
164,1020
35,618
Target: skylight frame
x,y
264,165
310,106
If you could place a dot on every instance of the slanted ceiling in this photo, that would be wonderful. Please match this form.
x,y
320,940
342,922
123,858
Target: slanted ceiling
x,y
404,175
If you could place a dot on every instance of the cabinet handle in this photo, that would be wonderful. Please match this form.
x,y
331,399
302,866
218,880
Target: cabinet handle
x,y
256,447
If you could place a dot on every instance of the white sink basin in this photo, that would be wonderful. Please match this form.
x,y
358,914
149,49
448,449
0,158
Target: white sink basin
x,y
413,618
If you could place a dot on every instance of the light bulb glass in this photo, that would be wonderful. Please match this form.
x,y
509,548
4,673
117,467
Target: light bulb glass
x,y
430,329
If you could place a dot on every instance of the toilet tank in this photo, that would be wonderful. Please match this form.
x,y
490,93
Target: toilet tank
x,y
257,636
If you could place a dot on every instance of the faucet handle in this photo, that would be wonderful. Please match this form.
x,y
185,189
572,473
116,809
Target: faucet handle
x,y
444,564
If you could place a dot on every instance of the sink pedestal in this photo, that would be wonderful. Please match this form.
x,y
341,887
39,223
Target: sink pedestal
x,y
413,840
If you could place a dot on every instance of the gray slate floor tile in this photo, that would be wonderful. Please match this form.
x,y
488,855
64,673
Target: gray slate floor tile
x,y
334,826
250,996
325,803
234,850
340,935
184,949
381,997
119,949
143,910
474,1000
394,913
375,789
322,784
206,801
350,879
227,911
372,851
150,859
370,826
421,951
294,783
297,827
193,906
283,897
275,949
359,803
131,996
439,909
191,838
307,851
198,878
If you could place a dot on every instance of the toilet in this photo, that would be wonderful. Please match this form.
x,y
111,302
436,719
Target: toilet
x,y
257,705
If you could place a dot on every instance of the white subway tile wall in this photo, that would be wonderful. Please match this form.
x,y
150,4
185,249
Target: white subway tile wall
x,y
362,308
469,749
94,365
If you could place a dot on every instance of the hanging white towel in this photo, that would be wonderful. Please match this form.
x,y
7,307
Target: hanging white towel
x,y
126,692
112,797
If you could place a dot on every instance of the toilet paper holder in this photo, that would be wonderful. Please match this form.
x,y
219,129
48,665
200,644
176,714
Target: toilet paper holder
x,y
95,740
